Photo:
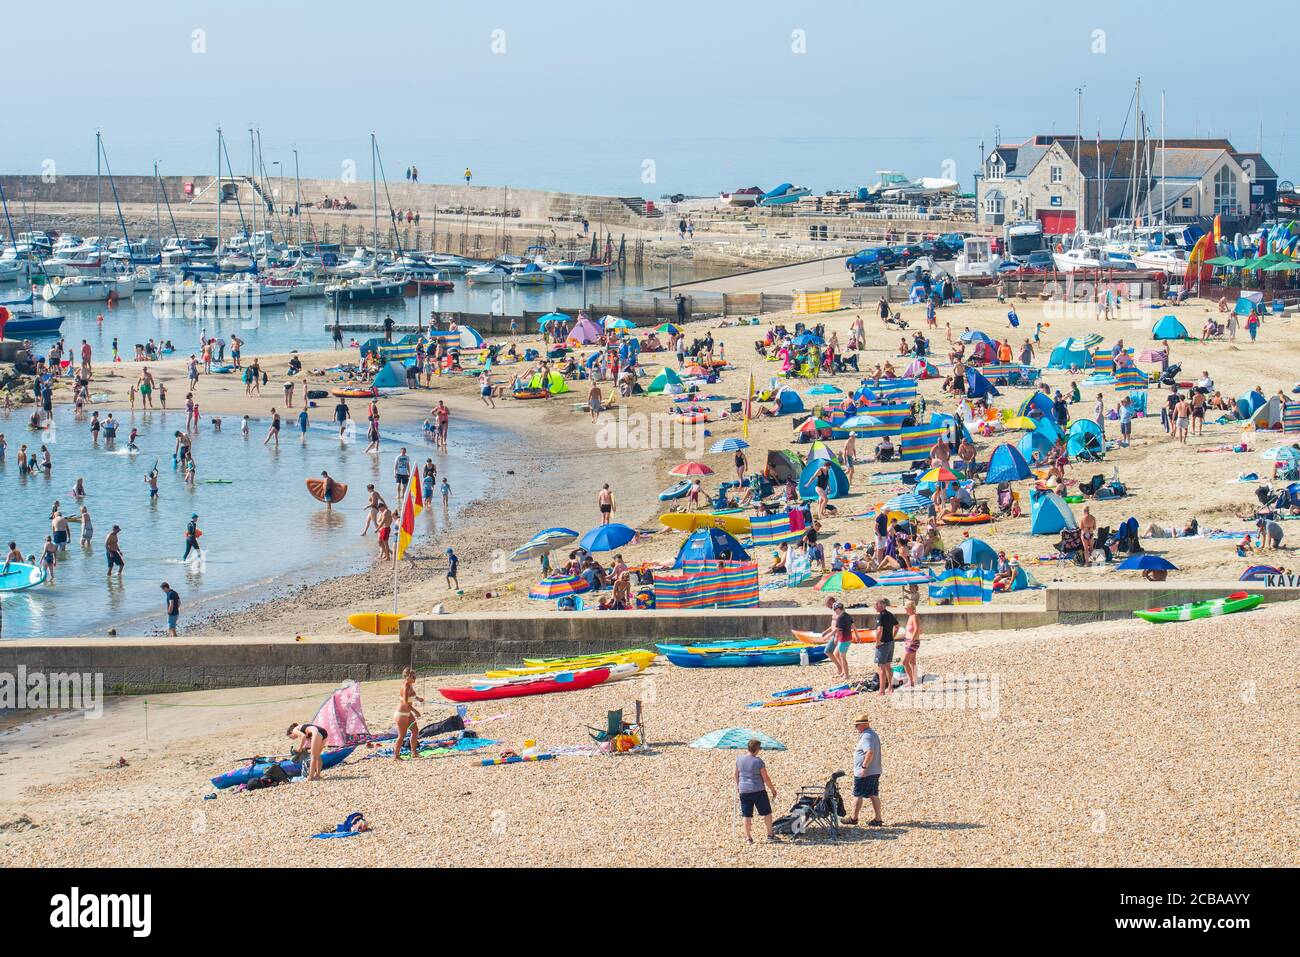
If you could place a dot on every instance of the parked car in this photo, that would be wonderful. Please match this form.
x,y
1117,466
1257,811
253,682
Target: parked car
x,y
1040,261
863,257
1009,265
869,275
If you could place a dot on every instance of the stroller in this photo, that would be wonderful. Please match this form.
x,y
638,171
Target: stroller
x,y
1170,375
816,807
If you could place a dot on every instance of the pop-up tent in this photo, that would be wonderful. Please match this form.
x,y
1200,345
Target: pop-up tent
x,y
839,482
978,386
1049,428
1086,439
1007,464
978,553
713,544
1248,403
664,379
788,402
1034,446
1050,514
554,383
1070,352
920,369
1168,327
1037,402
1268,415
391,376
784,465
470,338
585,331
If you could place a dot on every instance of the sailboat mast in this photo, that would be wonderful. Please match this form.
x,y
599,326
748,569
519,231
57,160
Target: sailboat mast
x,y
374,199
99,211
1164,183
252,177
157,204
1137,131
218,249
297,197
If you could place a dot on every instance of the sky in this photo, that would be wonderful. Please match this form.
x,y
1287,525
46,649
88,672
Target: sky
x,y
628,98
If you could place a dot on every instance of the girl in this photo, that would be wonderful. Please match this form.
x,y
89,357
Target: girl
x,y
407,715
309,739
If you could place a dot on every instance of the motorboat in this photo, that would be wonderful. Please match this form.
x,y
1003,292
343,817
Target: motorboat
x,y
23,325
362,261
535,274
87,288
241,294
976,259
742,198
77,261
783,195
575,270
452,264
365,289
411,266
302,283
1092,257
489,274
12,269
147,277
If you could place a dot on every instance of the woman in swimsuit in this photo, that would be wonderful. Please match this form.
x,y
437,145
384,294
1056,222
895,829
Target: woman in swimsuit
x,y
911,642
309,738
407,715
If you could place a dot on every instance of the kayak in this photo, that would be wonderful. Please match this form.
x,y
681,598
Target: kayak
x,y
595,658
975,518
21,576
706,650
617,670
750,659
642,659
292,768
1237,601
694,521
861,636
676,490
375,623
569,681
684,649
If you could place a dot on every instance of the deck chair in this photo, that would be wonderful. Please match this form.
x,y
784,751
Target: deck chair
x,y
816,808
1071,544
615,725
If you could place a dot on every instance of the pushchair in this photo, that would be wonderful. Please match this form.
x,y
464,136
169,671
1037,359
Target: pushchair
x,y
816,808
1170,375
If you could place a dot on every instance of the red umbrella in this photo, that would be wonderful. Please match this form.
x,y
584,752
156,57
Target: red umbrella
x,y
691,468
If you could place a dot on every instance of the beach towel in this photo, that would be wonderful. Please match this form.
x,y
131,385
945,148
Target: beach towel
x,y
346,829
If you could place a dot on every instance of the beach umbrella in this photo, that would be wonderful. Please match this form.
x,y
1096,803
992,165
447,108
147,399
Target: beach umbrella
x,y
814,425
808,339
1287,265
908,502
728,445
1074,343
606,538
1145,561
557,586
860,422
1281,453
533,549
552,317
555,535
903,577
939,474
974,335
844,581
668,329
1152,355
824,388
736,739
612,322
690,469
1220,261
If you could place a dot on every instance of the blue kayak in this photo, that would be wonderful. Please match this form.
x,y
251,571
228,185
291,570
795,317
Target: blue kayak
x,y
666,648
676,490
754,659
292,768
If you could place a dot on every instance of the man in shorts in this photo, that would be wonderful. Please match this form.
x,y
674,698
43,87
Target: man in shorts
x,y
753,783
886,627
173,607
866,771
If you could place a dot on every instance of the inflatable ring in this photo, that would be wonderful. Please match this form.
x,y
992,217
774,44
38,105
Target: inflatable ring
x,y
978,518
531,393
356,393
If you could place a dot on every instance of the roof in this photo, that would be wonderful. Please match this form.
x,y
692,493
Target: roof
x,y
1262,169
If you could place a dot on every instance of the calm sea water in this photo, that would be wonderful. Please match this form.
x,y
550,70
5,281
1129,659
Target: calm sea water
x,y
261,529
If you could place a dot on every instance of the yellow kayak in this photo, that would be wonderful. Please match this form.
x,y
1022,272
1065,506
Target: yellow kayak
x,y
536,670
586,660
375,623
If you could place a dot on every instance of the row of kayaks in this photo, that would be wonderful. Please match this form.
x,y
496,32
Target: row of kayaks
x,y
742,653
538,676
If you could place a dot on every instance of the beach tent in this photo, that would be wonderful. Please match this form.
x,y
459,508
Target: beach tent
x,y
1248,403
391,376
820,450
974,335
554,383
1258,573
920,369
983,352
1007,464
784,465
839,482
469,338
665,378
1246,303
1086,439
978,553
1268,415
1049,428
977,386
1070,352
788,402
1168,328
585,331
1039,402
1034,446
713,544
1021,580
1050,514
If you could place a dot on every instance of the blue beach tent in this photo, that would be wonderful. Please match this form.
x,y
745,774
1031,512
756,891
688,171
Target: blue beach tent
x,y
713,544
1168,328
1007,464
1050,514
839,482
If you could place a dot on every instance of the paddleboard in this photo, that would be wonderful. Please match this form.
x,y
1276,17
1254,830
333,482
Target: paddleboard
x,y
375,623
693,521
861,636
317,488
21,576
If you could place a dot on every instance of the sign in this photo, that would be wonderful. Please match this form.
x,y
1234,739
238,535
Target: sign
x,y
1282,581
1056,201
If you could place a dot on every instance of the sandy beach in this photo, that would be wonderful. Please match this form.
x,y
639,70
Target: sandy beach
x,y
1119,744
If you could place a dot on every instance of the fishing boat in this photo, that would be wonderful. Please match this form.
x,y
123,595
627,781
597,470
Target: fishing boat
x,y
783,195
742,198
365,289
87,288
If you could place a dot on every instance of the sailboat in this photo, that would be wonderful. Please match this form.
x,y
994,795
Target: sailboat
x,y
370,287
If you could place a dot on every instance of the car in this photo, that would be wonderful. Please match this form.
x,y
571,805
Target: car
x,y
863,257
1009,265
1040,261
904,254
869,275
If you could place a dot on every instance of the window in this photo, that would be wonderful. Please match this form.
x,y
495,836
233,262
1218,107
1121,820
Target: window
x,y
1225,191
1187,202
993,203
995,167
1058,174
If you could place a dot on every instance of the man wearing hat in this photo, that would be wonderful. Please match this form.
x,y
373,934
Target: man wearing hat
x,y
866,770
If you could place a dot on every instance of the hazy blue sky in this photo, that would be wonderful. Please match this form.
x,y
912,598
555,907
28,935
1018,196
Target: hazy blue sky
x,y
577,95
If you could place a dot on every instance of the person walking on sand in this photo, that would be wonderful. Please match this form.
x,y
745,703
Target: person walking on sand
x,y
911,642
742,465
309,742
605,501
594,400
886,627
453,563
407,716
485,389
173,600
839,637
866,771
753,782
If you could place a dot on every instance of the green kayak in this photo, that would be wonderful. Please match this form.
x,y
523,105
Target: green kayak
x,y
1237,601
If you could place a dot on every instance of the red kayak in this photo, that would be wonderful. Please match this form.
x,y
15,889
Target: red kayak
x,y
577,681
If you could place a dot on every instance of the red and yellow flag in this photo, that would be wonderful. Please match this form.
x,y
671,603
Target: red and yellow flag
x,y
412,505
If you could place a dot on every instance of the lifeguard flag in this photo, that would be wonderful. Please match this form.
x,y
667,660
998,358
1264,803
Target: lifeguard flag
x,y
412,505
749,401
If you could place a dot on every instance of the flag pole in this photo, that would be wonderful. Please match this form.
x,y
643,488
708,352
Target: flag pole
x,y
398,513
